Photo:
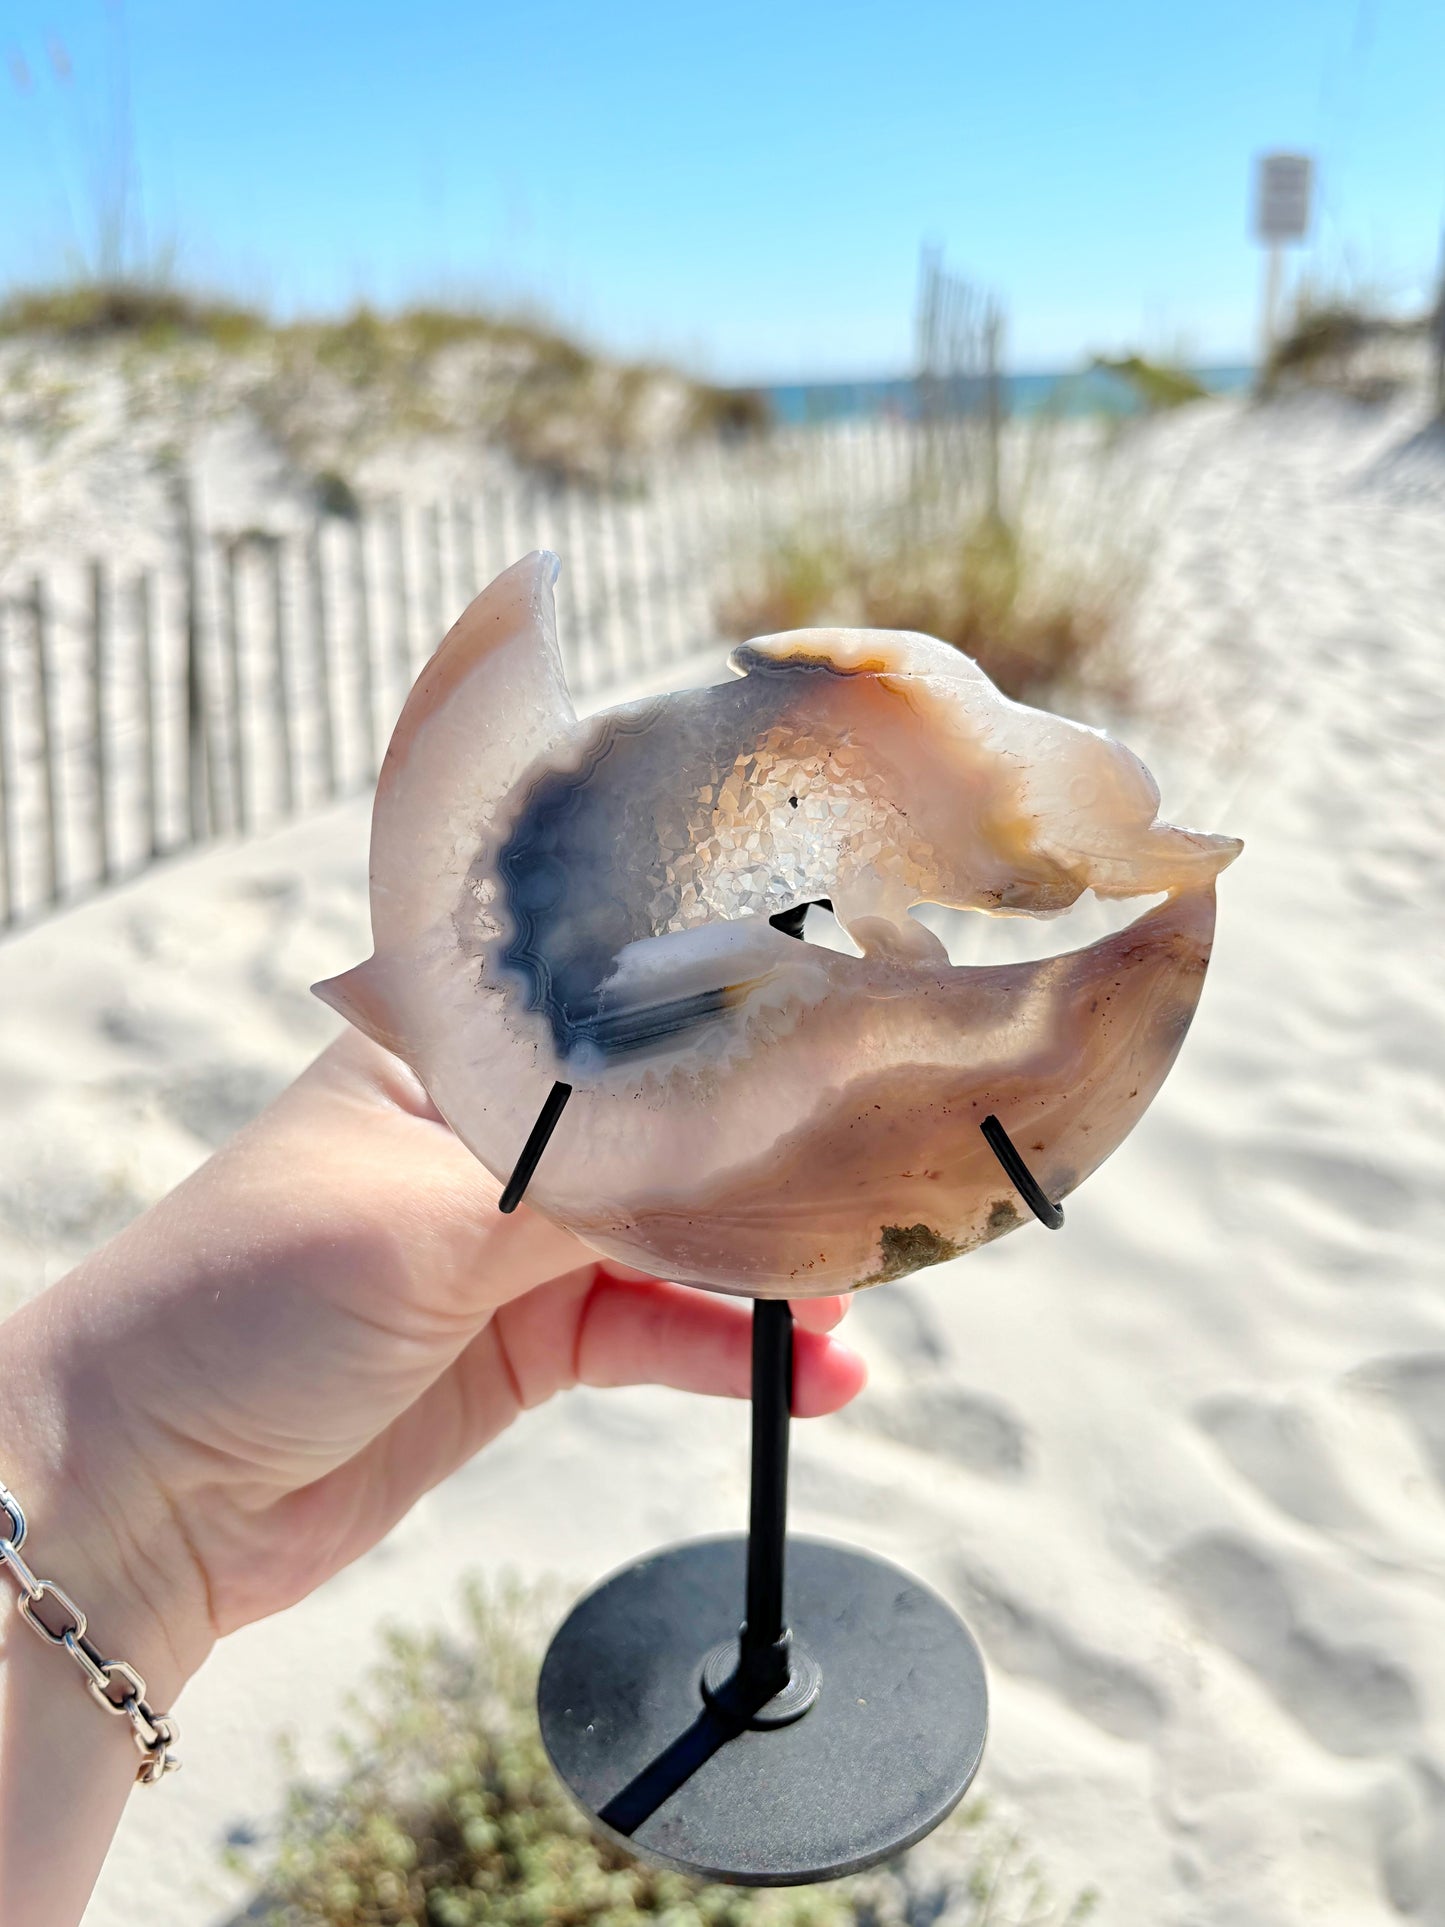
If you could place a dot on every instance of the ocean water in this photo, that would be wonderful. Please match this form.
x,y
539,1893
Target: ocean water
x,y
1084,392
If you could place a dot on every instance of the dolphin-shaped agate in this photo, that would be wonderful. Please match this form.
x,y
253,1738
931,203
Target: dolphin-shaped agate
x,y
589,902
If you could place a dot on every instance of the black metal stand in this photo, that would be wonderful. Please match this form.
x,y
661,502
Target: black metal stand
x,y
759,1755
762,1677
764,1756
548,1119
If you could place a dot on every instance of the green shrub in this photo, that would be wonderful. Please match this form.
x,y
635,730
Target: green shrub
x,y
155,312
1156,385
336,496
731,412
1318,337
449,1815
1345,341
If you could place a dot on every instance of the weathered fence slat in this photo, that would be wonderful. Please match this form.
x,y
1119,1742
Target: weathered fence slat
x,y
492,558
259,673
436,622
285,756
201,811
401,605
361,642
46,736
9,882
321,660
610,553
150,733
464,538
99,767
579,668
240,800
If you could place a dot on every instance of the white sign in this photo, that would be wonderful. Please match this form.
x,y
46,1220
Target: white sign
x,y
1282,186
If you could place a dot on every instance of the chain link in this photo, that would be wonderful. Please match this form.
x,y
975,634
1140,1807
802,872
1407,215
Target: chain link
x,y
111,1683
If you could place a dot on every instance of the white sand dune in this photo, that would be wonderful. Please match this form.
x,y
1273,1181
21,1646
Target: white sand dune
x,y
1182,1466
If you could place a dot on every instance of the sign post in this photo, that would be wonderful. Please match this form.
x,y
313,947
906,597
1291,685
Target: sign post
x,y
1283,190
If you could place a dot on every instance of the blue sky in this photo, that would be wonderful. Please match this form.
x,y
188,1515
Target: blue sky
x,y
742,185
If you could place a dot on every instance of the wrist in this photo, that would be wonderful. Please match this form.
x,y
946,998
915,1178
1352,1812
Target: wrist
x,y
66,1766
100,1529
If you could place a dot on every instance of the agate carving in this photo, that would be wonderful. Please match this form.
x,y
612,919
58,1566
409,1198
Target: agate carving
x,y
591,902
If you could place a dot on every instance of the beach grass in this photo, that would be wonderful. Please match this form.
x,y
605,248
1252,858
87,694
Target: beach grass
x,y
153,311
1155,384
980,562
327,389
1343,337
446,1813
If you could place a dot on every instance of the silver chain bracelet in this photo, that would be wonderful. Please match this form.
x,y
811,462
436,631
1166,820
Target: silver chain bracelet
x,y
111,1683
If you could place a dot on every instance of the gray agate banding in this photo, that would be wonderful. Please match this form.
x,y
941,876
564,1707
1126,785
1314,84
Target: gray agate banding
x,y
590,902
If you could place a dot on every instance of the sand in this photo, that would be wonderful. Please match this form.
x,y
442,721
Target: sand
x,y
1182,1466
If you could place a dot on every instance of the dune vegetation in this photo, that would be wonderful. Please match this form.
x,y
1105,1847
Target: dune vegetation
x,y
1154,384
1012,552
327,391
1345,340
447,1814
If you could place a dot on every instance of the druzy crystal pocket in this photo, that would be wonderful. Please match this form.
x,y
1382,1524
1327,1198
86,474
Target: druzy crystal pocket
x,y
592,902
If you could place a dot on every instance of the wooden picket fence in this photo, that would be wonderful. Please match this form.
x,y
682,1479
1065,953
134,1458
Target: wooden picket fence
x,y
257,675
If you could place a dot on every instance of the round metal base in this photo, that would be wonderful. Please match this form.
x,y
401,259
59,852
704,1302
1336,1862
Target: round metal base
x,y
881,1755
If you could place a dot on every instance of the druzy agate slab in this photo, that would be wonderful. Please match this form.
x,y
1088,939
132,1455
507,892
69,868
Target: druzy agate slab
x,y
592,902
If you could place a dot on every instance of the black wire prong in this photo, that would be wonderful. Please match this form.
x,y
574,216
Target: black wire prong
x,y
1019,1174
536,1144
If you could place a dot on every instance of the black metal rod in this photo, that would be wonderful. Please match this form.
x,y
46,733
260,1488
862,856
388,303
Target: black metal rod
x,y
1020,1176
534,1147
764,1628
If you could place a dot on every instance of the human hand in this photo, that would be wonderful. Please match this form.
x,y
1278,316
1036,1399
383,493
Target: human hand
x,y
247,1388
